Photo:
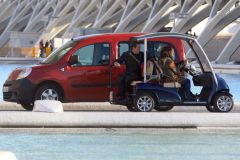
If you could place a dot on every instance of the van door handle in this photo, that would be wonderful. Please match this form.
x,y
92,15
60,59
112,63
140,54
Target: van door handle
x,y
93,71
98,71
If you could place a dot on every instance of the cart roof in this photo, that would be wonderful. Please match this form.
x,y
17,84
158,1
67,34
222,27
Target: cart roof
x,y
163,34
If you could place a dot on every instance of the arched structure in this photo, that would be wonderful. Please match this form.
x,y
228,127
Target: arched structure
x,y
60,18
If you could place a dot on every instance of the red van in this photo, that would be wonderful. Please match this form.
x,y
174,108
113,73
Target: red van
x,y
80,71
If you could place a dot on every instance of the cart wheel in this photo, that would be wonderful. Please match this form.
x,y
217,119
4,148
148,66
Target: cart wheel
x,y
131,108
163,108
144,102
223,102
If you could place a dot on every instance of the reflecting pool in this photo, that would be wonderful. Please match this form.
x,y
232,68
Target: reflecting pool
x,y
117,146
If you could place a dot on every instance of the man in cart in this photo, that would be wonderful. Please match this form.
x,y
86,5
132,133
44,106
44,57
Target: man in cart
x,y
133,60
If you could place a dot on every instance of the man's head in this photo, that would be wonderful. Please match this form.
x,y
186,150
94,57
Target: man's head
x,y
135,47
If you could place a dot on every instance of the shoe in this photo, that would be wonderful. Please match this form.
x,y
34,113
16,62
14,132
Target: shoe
x,y
190,99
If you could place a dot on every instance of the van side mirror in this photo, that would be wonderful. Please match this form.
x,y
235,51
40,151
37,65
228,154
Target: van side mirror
x,y
73,60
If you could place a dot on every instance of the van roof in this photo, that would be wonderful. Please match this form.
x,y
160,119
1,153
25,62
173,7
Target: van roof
x,y
136,36
107,35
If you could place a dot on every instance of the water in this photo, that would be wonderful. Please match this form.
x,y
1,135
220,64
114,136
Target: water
x,y
173,146
231,79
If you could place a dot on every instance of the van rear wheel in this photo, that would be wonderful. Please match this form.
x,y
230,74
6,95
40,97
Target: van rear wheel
x,y
27,106
131,108
210,108
49,92
163,108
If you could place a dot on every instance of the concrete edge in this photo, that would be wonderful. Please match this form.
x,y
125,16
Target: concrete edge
x,y
118,120
121,130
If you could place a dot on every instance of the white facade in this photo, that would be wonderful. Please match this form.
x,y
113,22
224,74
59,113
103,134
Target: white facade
x,y
65,18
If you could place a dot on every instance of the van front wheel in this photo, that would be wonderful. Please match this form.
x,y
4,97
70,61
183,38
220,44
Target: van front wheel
x,y
49,92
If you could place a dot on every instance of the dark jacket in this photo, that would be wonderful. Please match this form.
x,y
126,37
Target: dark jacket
x,y
133,62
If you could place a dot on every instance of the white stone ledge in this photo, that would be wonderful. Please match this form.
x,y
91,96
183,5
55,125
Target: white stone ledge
x,y
118,119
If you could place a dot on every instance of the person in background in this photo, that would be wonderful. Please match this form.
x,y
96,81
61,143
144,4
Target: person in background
x,y
42,49
51,45
47,49
133,60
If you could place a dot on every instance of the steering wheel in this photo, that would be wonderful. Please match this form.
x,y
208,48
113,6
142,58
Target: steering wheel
x,y
181,65
191,69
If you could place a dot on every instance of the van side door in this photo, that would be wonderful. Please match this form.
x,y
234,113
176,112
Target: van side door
x,y
88,79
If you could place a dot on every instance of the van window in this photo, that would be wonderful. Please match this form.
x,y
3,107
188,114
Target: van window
x,y
153,49
93,55
57,54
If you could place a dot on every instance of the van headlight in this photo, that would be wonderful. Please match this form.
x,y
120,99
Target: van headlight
x,y
24,73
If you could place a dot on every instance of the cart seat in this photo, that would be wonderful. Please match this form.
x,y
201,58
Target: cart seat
x,y
172,85
133,83
149,71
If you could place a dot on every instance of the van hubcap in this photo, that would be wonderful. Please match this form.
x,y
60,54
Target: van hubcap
x,y
49,94
145,103
224,103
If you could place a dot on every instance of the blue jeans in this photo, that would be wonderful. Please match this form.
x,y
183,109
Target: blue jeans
x,y
185,90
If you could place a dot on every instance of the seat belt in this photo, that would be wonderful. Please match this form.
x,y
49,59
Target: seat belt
x,y
134,58
158,67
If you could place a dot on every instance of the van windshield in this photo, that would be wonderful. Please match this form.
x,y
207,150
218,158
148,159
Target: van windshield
x,y
57,54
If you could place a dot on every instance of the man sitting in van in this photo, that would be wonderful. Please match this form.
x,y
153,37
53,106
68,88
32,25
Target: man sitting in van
x,y
133,60
172,74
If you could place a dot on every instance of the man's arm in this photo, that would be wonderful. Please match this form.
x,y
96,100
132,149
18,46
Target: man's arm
x,y
171,65
120,60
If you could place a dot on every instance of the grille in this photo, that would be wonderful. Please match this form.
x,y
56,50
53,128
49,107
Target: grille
x,y
7,95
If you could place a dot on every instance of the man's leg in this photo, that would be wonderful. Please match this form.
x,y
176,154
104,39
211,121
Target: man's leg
x,y
125,82
130,78
121,87
187,88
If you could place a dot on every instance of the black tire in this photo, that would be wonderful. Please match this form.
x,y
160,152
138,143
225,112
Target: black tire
x,y
163,108
27,106
131,108
49,92
223,102
144,102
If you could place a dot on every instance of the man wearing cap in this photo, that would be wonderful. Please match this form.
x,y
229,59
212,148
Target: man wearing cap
x,y
133,60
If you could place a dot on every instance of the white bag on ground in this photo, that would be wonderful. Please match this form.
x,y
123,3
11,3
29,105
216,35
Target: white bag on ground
x,y
6,155
50,106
